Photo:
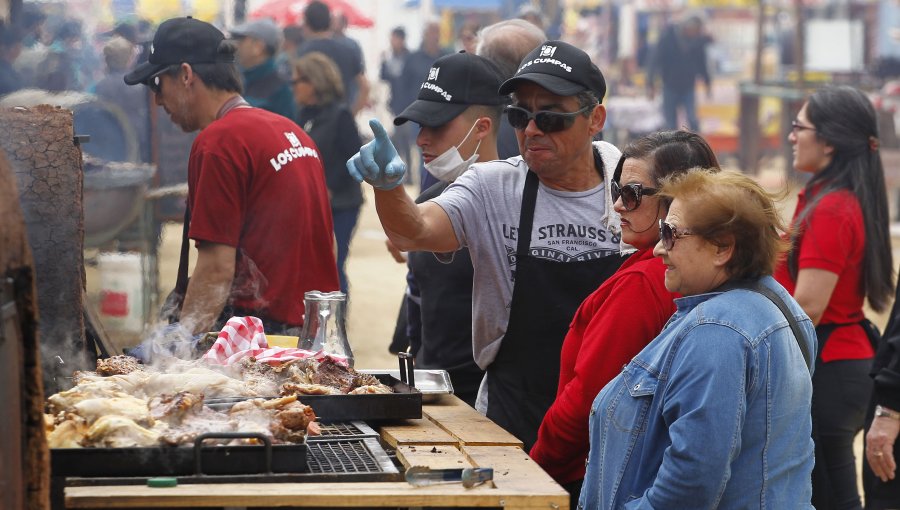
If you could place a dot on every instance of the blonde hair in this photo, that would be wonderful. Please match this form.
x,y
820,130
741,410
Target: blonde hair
x,y
728,207
322,74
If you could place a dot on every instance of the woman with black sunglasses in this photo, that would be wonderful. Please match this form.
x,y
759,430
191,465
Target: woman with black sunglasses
x,y
841,255
627,311
714,412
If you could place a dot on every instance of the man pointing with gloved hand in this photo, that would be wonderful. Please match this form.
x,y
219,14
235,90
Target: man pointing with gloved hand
x,y
453,137
540,227
376,155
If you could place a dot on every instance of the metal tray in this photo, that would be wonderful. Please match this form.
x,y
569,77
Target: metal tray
x,y
182,460
405,403
431,383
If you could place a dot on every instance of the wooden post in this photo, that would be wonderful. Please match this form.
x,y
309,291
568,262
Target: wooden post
x,y
748,113
24,458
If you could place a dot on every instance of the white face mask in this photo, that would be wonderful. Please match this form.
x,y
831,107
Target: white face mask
x,y
450,165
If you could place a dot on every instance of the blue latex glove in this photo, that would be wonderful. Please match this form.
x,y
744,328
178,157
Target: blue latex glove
x,y
377,162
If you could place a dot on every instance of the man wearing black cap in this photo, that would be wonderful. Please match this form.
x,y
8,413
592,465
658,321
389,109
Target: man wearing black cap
x,y
540,228
257,204
454,134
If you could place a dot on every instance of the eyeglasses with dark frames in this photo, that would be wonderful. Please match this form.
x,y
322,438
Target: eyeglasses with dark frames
x,y
630,194
668,233
797,126
546,121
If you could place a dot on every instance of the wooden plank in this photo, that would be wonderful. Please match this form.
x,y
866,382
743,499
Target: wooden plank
x,y
435,457
416,432
358,495
515,472
467,424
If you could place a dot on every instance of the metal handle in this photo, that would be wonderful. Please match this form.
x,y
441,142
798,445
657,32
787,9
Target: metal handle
x,y
407,368
198,458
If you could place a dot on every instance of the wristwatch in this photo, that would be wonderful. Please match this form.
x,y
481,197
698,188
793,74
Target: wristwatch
x,y
884,412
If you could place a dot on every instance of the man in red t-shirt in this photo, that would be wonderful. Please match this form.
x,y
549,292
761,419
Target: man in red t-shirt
x,y
257,203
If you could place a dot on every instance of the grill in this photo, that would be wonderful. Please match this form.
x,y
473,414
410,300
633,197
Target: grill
x,y
329,460
350,429
348,456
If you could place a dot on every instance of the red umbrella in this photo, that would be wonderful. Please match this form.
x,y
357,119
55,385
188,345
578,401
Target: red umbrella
x,y
290,12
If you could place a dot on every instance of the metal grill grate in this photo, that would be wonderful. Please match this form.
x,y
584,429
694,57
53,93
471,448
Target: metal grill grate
x,y
345,456
349,429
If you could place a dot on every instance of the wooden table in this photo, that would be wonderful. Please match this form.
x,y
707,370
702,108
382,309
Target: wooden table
x,y
450,435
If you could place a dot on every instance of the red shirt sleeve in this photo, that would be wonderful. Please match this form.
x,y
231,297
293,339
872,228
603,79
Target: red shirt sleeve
x,y
612,326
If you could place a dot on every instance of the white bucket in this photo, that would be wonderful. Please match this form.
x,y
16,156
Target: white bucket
x,y
121,292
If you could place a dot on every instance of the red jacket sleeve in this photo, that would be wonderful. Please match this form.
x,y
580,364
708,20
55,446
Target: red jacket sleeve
x,y
633,312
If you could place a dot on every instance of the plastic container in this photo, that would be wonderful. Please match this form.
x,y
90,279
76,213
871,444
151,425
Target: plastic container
x,y
121,291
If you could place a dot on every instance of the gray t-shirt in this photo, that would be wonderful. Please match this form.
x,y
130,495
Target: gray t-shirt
x,y
484,205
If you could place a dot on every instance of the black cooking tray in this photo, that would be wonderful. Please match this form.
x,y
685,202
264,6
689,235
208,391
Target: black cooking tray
x,y
359,459
182,460
405,403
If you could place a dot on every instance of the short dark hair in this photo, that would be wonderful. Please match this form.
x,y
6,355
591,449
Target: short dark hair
x,y
293,34
399,32
222,76
491,111
317,16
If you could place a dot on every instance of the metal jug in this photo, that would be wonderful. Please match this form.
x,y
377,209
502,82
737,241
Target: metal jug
x,y
323,326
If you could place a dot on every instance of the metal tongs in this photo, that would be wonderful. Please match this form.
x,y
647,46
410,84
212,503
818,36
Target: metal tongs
x,y
470,477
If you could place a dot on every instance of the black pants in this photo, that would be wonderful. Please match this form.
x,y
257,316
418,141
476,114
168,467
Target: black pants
x,y
841,392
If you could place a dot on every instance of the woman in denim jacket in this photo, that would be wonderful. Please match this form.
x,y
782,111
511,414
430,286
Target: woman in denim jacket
x,y
715,411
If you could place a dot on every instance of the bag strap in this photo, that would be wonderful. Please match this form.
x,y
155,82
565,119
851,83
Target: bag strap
x,y
777,301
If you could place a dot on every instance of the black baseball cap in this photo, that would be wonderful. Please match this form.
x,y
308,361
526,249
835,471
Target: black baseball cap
x,y
179,40
560,68
454,83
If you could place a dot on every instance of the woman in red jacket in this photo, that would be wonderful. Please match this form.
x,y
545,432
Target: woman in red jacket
x,y
626,312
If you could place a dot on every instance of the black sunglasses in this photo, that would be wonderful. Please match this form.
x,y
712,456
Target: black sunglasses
x,y
668,233
630,194
154,82
547,122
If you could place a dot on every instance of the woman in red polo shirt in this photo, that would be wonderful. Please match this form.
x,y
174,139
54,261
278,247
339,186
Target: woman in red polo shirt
x,y
841,255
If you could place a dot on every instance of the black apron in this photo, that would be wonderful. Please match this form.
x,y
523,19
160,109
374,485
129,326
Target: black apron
x,y
523,379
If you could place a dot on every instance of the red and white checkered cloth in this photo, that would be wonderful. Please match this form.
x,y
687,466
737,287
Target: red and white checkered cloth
x,y
244,336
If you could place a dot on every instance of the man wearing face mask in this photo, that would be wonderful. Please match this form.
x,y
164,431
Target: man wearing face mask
x,y
540,228
453,135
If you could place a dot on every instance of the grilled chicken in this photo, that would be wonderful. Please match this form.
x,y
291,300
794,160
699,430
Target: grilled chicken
x,y
114,431
118,365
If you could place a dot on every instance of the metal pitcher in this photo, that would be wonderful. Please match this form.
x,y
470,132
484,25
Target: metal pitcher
x,y
323,326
